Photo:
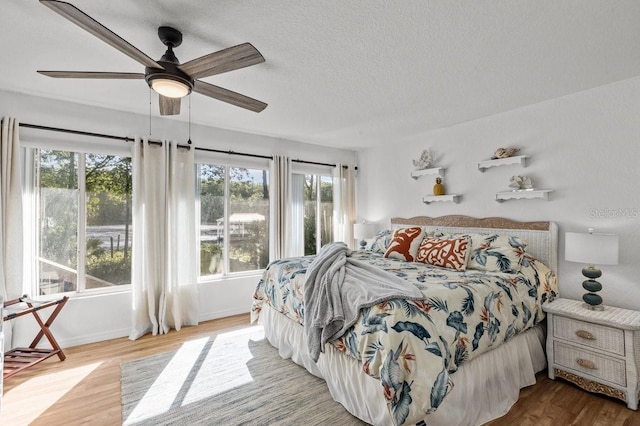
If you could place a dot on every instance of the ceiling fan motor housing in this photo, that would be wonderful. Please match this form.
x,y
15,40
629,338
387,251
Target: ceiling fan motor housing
x,y
171,38
170,72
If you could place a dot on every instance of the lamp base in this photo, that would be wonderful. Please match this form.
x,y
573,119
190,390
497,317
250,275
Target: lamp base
x,y
593,307
363,244
592,300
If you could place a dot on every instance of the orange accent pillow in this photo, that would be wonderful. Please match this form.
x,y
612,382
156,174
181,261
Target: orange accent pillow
x,y
451,254
405,243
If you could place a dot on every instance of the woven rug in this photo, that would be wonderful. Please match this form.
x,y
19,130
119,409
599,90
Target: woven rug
x,y
234,378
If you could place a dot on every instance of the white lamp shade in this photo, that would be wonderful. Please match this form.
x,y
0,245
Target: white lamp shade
x,y
169,88
362,231
594,249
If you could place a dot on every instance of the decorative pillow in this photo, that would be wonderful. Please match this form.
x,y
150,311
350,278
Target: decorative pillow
x,y
381,241
538,272
496,253
405,243
446,253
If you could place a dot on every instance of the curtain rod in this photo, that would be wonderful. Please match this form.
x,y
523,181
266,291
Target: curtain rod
x,y
128,139
83,133
75,132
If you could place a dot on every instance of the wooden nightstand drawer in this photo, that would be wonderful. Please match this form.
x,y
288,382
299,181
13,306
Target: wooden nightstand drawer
x,y
592,335
599,366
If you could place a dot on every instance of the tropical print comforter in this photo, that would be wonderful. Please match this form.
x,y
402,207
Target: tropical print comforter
x,y
412,347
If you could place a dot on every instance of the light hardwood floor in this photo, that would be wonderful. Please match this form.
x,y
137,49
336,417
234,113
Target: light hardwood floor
x,y
85,388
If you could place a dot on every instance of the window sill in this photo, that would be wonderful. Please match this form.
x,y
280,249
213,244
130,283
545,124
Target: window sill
x,y
86,294
238,275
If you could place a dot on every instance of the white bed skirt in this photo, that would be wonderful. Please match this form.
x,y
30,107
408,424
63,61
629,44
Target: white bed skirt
x,y
484,388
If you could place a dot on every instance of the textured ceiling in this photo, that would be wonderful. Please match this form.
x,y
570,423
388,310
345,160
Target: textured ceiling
x,y
349,74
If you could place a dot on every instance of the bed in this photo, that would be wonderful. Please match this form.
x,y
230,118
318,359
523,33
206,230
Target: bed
x,y
457,355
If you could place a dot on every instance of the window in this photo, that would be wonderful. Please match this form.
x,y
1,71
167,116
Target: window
x,y
234,219
315,204
83,216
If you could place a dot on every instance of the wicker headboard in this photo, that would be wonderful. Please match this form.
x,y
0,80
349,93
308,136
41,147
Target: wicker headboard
x,y
542,237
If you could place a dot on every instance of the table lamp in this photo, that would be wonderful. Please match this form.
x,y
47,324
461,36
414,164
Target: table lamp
x,y
363,231
591,248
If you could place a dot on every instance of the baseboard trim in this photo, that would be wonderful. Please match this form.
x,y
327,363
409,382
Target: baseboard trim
x,y
124,332
222,314
93,338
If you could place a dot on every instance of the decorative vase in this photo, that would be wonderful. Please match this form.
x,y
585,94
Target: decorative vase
x,y
438,188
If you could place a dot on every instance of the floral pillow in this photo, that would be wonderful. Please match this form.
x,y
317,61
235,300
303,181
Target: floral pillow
x,y
544,280
405,243
492,252
381,241
446,253
497,253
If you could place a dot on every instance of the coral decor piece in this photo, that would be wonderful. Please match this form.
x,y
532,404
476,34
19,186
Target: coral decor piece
x,y
426,159
504,153
520,183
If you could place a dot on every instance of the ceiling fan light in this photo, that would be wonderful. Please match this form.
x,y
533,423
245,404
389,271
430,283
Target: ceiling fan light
x,y
170,88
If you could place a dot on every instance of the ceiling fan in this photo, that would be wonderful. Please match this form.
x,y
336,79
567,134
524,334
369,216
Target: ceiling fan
x,y
167,76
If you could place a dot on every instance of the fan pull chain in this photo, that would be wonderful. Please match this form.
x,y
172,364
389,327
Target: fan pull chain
x,y
149,112
189,141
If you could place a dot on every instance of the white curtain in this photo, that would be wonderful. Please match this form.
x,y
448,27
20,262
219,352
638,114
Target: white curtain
x,y
280,199
164,277
180,305
344,204
297,215
11,237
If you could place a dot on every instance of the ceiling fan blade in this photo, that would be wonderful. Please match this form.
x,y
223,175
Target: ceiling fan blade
x,y
233,58
93,74
89,24
169,106
228,96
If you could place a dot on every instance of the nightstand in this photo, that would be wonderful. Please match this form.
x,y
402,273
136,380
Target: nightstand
x,y
596,350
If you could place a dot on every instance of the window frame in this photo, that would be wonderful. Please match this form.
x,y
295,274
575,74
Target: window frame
x,y
224,160
31,207
319,172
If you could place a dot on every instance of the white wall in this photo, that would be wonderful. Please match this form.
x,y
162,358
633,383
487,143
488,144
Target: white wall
x,y
87,319
585,146
94,318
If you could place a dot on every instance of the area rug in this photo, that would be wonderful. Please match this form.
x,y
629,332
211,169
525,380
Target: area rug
x,y
234,378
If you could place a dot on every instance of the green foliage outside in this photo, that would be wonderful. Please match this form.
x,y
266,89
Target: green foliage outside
x,y
248,251
108,202
114,269
210,258
58,239
310,213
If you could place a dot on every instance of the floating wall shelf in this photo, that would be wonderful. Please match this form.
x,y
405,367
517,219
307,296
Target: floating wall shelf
x,y
520,159
519,195
425,172
428,199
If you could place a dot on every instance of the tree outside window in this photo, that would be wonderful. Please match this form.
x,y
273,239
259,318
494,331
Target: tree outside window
x,y
234,219
84,211
318,212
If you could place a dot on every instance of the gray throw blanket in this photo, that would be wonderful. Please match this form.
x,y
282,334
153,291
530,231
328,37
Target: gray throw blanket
x,y
337,287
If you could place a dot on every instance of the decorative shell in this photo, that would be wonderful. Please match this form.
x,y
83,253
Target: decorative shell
x,y
520,182
504,153
425,160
